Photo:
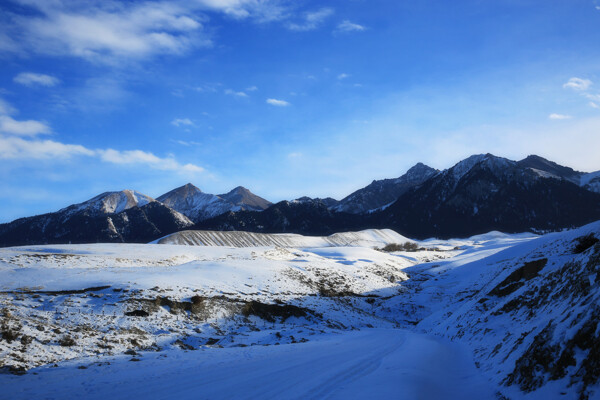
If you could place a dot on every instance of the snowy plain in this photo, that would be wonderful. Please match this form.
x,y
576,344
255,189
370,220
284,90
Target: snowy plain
x,y
320,321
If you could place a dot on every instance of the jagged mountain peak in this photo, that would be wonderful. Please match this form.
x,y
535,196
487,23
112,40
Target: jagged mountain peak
x,y
419,167
197,205
417,173
187,189
111,202
239,189
489,161
245,199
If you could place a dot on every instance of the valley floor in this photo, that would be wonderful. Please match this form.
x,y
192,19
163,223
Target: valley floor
x,y
371,363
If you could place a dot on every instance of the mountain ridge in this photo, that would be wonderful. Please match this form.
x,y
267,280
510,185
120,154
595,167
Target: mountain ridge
x,y
478,194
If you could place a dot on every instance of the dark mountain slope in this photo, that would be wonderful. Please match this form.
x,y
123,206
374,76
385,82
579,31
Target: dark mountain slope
x,y
382,192
306,217
489,193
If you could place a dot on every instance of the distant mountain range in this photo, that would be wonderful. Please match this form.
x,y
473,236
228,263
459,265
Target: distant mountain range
x,y
478,194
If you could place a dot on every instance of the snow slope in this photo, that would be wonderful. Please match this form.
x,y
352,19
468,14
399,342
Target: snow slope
x,y
366,238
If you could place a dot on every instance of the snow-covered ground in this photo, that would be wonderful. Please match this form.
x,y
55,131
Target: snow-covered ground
x,y
302,318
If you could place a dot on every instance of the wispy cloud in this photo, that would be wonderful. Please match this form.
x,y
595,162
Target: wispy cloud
x,y
259,10
19,148
278,103
12,148
17,141
234,93
347,26
559,116
33,79
22,128
312,20
108,31
251,89
145,158
578,84
182,122
593,105
6,108
11,126
186,143
343,76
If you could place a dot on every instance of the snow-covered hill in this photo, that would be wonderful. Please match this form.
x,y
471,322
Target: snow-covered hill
x,y
368,238
284,320
530,313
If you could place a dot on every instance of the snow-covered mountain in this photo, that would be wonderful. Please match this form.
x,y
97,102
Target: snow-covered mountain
x,y
125,216
198,206
478,194
382,192
110,203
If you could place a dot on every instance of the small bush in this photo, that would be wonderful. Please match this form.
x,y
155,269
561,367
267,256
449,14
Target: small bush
x,y
67,341
406,246
584,243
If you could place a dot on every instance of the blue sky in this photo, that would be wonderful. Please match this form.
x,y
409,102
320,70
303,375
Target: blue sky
x,y
287,98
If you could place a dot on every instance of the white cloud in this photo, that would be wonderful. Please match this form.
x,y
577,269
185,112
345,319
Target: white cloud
x,y
593,97
594,105
578,84
187,144
145,158
108,31
182,122
559,116
312,20
343,76
234,93
33,79
251,89
6,108
278,103
22,128
259,10
347,26
18,148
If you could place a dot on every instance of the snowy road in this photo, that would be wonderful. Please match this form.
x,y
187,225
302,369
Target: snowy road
x,y
373,363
